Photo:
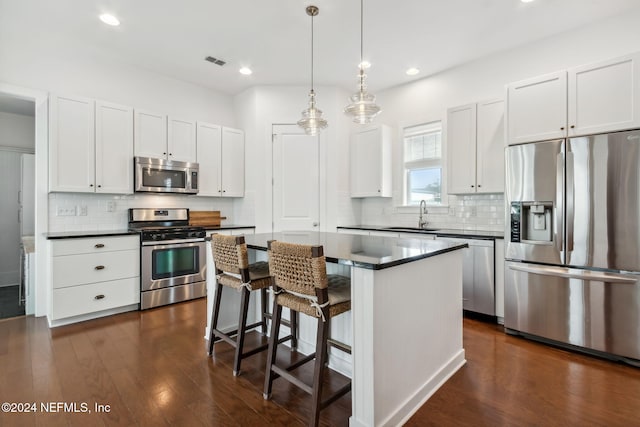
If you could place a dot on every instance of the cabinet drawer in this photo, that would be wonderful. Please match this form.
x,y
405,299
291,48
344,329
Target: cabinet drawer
x,y
95,297
72,270
95,245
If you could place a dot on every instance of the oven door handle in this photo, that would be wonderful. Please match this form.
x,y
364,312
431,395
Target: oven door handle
x,y
172,242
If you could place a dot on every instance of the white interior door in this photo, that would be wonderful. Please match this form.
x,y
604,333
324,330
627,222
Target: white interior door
x,y
296,179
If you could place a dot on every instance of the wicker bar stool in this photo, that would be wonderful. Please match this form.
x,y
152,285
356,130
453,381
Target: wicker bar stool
x,y
234,271
301,283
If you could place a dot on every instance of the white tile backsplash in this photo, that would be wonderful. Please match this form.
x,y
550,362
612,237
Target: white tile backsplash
x,y
99,218
469,212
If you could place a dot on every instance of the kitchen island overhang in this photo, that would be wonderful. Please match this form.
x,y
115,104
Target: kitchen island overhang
x,y
406,320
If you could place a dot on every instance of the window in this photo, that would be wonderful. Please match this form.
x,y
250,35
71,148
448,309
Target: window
x,y
423,163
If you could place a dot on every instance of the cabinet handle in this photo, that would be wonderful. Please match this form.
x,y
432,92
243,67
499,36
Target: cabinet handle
x,y
99,245
99,297
99,267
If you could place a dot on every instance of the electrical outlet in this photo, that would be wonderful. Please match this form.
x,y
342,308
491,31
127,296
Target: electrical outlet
x,y
82,210
111,206
66,211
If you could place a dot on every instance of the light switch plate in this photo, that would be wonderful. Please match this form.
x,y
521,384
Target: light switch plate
x,y
66,211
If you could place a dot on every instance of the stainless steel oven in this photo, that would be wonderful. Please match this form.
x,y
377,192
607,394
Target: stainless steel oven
x,y
173,256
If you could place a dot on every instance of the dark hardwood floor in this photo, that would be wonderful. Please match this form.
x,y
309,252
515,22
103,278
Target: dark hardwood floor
x,y
151,369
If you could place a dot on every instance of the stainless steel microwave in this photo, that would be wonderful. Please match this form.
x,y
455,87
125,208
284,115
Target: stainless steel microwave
x,y
165,176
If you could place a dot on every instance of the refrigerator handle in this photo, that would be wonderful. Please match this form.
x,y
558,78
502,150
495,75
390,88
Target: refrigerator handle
x,y
576,274
570,201
559,211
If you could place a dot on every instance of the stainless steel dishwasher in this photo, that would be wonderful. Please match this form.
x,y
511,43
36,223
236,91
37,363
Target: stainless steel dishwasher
x,y
478,278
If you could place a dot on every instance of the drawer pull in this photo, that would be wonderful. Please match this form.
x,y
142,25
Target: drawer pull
x,y
99,245
99,267
99,297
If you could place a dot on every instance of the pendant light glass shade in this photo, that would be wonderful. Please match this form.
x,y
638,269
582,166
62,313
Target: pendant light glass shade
x,y
363,107
312,121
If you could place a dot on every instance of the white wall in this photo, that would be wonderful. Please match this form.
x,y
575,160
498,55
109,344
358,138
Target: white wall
x,y
257,109
17,131
428,99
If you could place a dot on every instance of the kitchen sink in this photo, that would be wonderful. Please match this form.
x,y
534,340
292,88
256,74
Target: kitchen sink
x,y
411,229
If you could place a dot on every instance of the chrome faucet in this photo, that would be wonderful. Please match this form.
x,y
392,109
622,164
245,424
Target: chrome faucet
x,y
422,221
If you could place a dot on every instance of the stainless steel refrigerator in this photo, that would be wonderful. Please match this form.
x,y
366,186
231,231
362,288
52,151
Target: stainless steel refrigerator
x,y
572,270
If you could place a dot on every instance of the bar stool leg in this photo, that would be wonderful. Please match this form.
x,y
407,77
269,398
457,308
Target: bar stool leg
x,y
318,370
263,309
214,317
293,321
273,349
242,325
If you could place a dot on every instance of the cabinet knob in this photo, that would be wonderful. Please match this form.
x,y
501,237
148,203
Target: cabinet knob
x,y
573,126
378,191
479,185
562,128
90,185
99,267
472,186
224,191
99,186
99,297
99,245
171,154
164,154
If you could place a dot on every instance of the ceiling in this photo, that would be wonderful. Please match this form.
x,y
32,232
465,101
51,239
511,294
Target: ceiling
x,y
273,37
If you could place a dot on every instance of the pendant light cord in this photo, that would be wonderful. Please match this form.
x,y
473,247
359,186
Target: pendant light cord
x,y
312,52
361,33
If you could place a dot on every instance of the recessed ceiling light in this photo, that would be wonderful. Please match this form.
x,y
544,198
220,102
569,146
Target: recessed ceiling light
x,y
246,71
365,65
109,19
412,71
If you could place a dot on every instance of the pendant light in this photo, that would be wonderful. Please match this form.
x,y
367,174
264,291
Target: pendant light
x,y
312,121
363,106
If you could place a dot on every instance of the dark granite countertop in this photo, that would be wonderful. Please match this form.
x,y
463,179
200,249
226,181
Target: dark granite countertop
x,y
91,233
123,232
370,252
444,232
229,227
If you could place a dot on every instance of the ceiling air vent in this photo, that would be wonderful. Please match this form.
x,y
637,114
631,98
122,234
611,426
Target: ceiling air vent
x,y
216,61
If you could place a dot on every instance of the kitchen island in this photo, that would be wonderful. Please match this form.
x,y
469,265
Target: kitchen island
x,y
405,322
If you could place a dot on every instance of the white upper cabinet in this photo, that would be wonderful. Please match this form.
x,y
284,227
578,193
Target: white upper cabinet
x,y
232,167
461,149
221,160
91,146
475,148
604,97
490,145
162,137
150,134
209,139
181,143
371,162
537,108
594,98
114,148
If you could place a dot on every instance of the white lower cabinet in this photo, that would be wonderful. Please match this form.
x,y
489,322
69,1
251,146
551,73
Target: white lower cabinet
x,y
232,231
94,274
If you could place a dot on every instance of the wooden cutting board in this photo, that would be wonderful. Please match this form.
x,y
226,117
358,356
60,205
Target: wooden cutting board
x,y
205,218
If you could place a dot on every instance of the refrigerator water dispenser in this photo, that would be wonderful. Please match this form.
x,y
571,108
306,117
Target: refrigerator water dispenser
x,y
532,222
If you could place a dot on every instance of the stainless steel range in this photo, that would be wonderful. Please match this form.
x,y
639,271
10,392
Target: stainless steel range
x,y
173,262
